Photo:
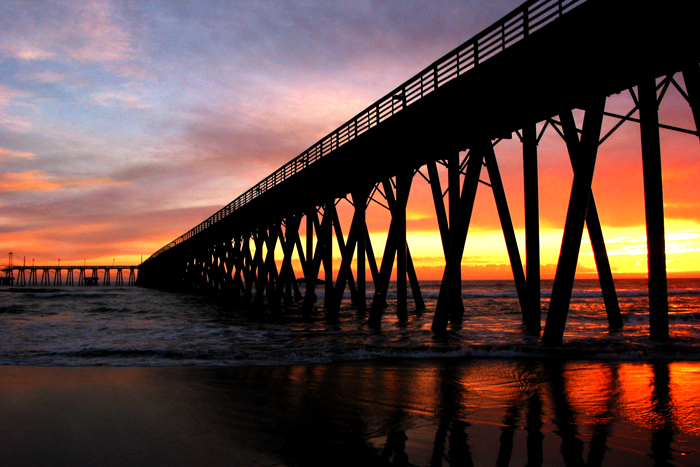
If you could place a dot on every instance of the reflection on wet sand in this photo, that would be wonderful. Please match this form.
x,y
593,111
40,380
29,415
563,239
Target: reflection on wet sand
x,y
513,413
386,413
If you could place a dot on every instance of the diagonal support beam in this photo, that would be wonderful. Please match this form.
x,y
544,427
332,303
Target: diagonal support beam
x,y
595,231
573,227
372,260
341,246
439,203
300,252
413,279
404,265
499,195
449,305
345,271
288,244
403,188
314,265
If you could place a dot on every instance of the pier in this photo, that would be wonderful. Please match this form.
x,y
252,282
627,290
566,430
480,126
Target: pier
x,y
523,76
54,275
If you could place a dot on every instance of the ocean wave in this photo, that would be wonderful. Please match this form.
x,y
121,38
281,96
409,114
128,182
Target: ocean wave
x,y
140,327
586,349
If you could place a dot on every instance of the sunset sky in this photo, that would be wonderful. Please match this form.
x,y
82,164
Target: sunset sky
x,y
125,123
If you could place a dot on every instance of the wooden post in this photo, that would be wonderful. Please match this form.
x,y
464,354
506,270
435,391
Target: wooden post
x,y
654,209
533,313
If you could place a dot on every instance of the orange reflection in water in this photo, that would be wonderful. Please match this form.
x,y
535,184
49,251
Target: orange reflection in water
x,y
662,394
684,387
592,390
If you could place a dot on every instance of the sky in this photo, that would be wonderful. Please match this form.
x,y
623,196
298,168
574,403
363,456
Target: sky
x,y
123,124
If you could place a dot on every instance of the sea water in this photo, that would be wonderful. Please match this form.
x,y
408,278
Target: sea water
x,y
133,326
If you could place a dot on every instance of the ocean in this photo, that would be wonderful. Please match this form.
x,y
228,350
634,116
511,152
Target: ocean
x,y
133,326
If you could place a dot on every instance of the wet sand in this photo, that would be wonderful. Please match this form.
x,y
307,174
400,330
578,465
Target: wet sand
x,y
409,412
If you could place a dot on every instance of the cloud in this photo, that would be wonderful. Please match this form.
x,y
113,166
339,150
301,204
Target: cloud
x,y
10,100
118,98
40,181
8,96
87,31
48,76
6,153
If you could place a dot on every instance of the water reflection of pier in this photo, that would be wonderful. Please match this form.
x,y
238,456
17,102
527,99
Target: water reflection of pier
x,y
53,275
542,405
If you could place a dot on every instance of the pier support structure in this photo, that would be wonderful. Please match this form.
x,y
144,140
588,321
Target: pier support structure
x,y
288,259
282,244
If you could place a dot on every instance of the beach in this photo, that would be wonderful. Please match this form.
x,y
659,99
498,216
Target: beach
x,y
380,412
117,376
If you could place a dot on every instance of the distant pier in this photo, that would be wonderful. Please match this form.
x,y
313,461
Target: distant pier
x,y
54,275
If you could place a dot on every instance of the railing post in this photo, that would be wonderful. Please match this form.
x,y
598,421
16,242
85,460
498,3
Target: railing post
x,y
526,21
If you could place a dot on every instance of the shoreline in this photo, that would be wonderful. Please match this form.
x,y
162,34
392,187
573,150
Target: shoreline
x,y
607,348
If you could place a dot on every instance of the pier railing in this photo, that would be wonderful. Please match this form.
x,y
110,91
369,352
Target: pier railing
x,y
511,29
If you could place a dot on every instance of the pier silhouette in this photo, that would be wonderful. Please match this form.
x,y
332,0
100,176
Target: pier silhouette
x,y
52,275
536,65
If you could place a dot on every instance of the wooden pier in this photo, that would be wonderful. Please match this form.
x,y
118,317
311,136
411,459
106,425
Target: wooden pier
x,y
54,275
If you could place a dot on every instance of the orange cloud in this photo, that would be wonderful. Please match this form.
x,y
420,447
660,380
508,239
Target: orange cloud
x,y
36,180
